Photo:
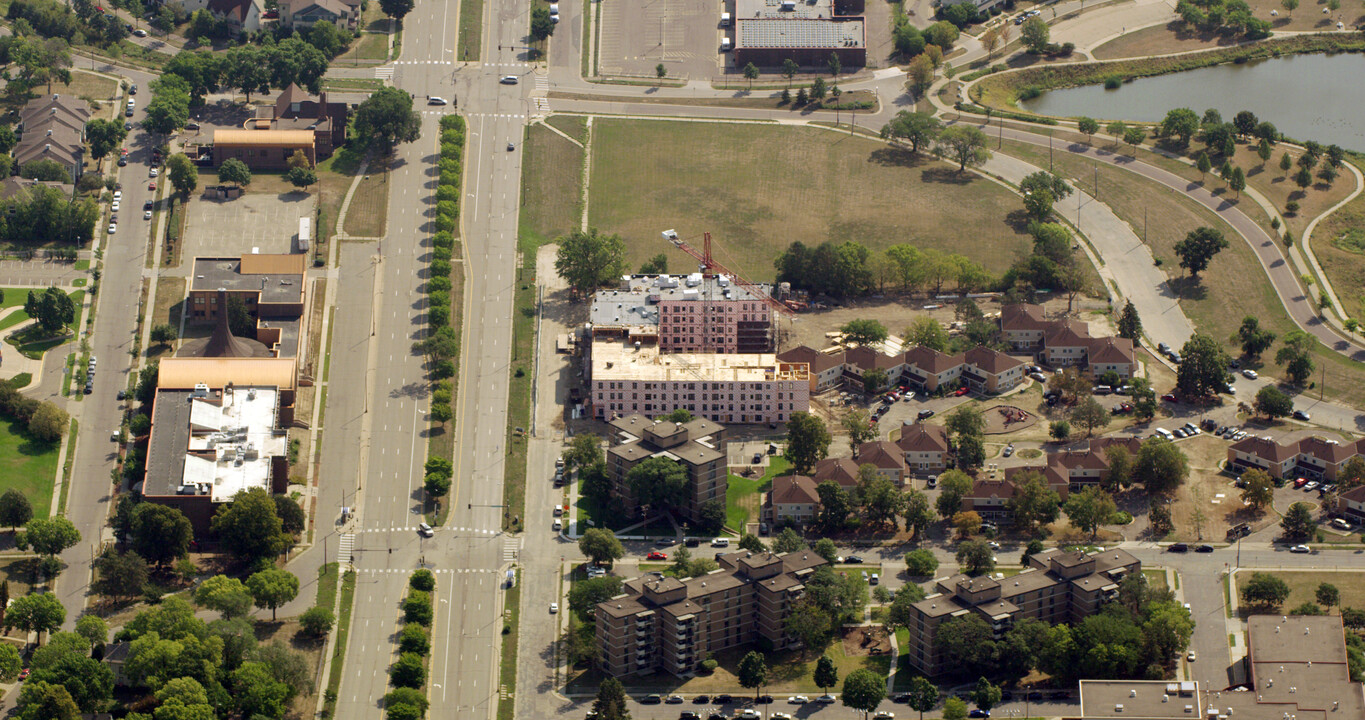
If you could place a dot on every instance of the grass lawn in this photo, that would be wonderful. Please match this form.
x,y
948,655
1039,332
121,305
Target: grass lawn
x,y
343,630
1339,243
352,84
87,85
507,672
369,210
747,184
469,43
170,294
13,318
554,190
744,495
1174,37
370,47
1304,585
27,465
334,179
1155,578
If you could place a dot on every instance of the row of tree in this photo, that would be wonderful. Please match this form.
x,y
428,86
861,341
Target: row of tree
x,y
850,269
46,215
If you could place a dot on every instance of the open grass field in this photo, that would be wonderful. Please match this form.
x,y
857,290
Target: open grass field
x,y
334,179
469,43
743,496
369,210
1175,37
553,193
1304,585
1339,244
88,85
27,465
749,186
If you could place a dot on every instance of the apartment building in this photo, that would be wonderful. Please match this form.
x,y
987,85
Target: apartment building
x,y
991,371
826,368
1079,468
886,457
925,447
1056,587
1065,342
629,378
863,359
841,470
990,496
1311,456
699,446
668,625
793,500
52,127
686,314
1351,504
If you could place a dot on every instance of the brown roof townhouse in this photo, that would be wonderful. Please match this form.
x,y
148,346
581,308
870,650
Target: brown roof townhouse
x,y
1311,456
1064,342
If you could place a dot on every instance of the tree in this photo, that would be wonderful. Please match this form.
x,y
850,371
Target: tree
x,y
966,145
48,423
825,548
836,65
104,136
991,40
927,332
387,118
589,260
1203,367
1327,595
234,171
542,24
1198,248
864,332
248,527
48,536
1296,356
975,557
40,700
863,690
272,588
587,593
1298,523
920,562
1303,178
859,428
164,334
967,522
1160,466
1204,165
753,671
160,533
807,442
600,545
301,177
920,73
1089,126
1258,490
1290,5
953,486
225,594
317,620
918,514
656,265
52,308
1130,325
1090,414
1181,124
1059,429
1034,503
659,482
787,541
1116,128
923,695
1035,35
1353,474
985,695
1263,151
826,675
916,128
10,663
39,613
1089,509
92,628
751,73
874,381
1238,181
1255,340
835,505
966,421
966,643
396,9
1265,590
611,701
119,575
15,509
1273,403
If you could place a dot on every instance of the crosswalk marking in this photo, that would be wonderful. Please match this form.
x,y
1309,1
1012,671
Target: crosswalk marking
x,y
384,73
542,104
382,571
499,115
514,66
542,82
423,62
345,547
510,547
413,528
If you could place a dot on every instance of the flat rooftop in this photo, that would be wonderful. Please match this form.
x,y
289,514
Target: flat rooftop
x,y
616,360
799,33
220,443
778,9
635,302
277,284
1140,699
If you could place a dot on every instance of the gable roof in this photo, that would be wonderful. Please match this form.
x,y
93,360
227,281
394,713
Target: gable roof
x,y
1023,316
262,138
1069,332
236,9
1111,350
1329,451
881,454
49,106
920,437
1265,448
1355,494
840,470
930,360
794,490
987,489
818,361
991,361
866,358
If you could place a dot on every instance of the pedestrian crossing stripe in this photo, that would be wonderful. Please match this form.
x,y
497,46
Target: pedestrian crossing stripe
x,y
381,571
384,73
423,62
499,115
413,528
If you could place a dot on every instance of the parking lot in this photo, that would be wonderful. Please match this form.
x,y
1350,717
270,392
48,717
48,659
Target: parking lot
x,y
684,35
256,221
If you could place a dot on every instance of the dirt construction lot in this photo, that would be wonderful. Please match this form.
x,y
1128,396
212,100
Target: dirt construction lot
x,y
684,35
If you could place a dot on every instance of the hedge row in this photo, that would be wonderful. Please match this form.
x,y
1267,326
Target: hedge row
x,y
408,700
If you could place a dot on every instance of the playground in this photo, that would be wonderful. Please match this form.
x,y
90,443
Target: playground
x,y
1007,419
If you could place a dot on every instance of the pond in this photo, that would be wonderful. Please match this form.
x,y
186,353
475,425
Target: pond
x,y
1308,97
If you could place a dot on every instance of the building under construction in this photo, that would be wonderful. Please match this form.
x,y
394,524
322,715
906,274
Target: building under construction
x,y
694,313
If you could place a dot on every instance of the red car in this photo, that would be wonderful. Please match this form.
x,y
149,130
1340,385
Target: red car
x,y
1300,482
151,186
656,555
960,392
23,674
1169,397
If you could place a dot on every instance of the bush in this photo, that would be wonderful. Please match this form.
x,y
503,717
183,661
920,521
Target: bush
x,y
438,284
317,621
414,639
1112,83
709,665
440,254
440,268
422,580
443,240
417,608
1291,207
408,671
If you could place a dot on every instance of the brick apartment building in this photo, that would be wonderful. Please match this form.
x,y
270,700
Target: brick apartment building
x,y
668,625
1056,587
925,447
1312,457
699,446
685,314
725,388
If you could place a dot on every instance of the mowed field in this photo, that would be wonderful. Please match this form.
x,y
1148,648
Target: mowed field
x,y
758,188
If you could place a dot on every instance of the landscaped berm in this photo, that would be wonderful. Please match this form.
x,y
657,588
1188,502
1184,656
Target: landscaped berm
x,y
758,188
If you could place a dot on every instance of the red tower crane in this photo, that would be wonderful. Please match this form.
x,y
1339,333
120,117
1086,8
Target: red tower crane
x,y
710,265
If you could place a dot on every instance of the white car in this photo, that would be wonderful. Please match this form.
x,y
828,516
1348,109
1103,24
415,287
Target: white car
x,y
826,700
152,172
113,228
1190,657
780,716
554,608
146,214
425,530
1249,374
118,195
798,700
114,207
509,80
1300,549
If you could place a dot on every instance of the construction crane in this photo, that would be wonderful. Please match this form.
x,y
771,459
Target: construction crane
x,y
710,265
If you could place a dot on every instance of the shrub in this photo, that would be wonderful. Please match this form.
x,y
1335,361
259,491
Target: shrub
x,y
414,639
440,268
422,580
1112,83
709,665
317,621
1291,207
1030,92
443,239
438,316
438,284
417,608
439,298
440,254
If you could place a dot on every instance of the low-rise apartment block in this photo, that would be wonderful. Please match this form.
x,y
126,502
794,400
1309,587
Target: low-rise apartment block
x,y
727,388
1056,587
793,500
1065,342
886,457
841,470
668,625
925,447
1311,456
686,314
826,368
698,446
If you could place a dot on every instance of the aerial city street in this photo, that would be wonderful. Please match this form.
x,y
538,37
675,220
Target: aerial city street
x,y
748,359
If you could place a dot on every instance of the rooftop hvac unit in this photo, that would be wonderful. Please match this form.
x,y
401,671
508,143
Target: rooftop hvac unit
x,y
251,394
201,390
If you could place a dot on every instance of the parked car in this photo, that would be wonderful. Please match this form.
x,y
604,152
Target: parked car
x,y
674,699
1301,549
651,700
798,700
1204,549
979,713
1179,547
1101,390
853,560
722,699
830,700
960,392
1170,397
1302,415
925,414
1009,450
1250,374
656,556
